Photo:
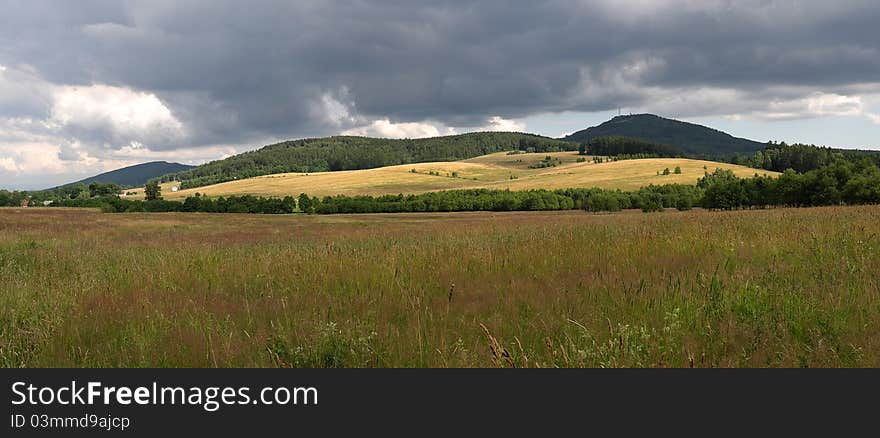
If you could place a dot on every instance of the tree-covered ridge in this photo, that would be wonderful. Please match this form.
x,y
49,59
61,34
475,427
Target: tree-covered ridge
x,y
353,153
696,140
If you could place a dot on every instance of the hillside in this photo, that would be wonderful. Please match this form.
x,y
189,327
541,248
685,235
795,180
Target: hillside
x,y
687,137
493,171
354,153
135,176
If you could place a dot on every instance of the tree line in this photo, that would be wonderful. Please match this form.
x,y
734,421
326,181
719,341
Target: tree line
x,y
651,198
192,204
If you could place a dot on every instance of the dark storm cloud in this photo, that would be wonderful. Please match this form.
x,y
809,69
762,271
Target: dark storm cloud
x,y
233,70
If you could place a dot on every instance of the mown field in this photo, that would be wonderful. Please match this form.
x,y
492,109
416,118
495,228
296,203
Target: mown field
x,y
492,171
784,287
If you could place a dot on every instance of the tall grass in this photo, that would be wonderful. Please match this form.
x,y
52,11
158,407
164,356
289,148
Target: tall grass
x,y
570,289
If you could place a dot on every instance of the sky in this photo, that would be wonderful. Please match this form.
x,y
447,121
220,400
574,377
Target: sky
x,y
94,85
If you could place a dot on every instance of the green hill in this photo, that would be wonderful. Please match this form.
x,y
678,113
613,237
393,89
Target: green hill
x,y
135,176
354,153
695,140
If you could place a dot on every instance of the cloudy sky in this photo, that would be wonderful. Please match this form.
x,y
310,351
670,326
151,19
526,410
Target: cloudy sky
x,y
88,86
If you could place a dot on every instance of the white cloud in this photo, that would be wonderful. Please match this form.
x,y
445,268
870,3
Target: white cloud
x,y
340,110
126,114
497,123
386,129
52,134
30,157
8,164
817,105
335,109
35,165
769,104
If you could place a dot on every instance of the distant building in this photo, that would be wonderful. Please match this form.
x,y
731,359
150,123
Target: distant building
x,y
47,203
175,188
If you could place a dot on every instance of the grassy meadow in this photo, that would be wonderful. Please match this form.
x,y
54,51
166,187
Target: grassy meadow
x,y
764,288
492,171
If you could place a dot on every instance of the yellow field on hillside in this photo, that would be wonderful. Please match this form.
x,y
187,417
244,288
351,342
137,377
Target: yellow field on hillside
x,y
494,171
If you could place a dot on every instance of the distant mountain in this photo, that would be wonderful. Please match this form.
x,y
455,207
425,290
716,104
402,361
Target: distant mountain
x,y
354,153
137,175
688,137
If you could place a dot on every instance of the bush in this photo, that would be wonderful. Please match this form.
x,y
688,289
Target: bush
x,y
684,203
603,201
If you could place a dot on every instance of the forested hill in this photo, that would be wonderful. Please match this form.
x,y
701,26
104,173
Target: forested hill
x,y
352,153
133,176
696,140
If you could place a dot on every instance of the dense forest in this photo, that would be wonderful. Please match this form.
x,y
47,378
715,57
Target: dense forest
x,y
627,146
352,153
801,158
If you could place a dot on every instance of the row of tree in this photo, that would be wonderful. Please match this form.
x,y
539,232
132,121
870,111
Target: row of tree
x,y
193,204
651,198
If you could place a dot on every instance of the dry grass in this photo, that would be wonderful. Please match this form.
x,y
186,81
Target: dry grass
x,y
490,171
748,288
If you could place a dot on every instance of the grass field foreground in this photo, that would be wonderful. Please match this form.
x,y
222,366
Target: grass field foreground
x,y
785,287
